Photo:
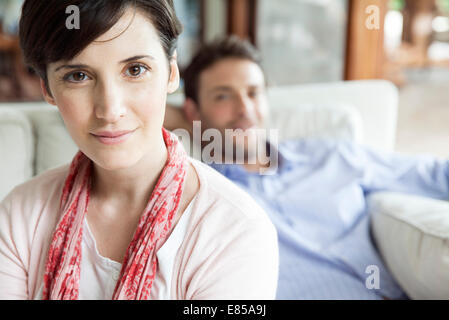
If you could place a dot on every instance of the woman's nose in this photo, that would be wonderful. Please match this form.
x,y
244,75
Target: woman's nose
x,y
109,104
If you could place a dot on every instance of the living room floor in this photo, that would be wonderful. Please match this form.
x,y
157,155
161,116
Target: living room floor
x,y
423,118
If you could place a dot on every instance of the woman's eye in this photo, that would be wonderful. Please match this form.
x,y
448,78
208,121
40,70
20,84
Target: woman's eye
x,y
136,71
76,77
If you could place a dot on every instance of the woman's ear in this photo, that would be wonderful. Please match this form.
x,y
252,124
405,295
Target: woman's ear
x,y
173,80
45,92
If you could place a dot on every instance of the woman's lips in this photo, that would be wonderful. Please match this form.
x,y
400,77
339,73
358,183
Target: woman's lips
x,y
114,139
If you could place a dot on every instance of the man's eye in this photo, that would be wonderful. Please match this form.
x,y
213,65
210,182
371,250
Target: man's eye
x,y
136,71
254,93
221,97
76,77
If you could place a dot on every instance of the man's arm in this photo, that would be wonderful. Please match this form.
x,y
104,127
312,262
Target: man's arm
x,y
421,175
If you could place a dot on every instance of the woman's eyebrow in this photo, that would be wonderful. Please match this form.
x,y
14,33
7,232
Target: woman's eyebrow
x,y
137,58
84,66
71,66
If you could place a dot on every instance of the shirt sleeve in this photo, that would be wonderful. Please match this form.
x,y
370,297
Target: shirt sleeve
x,y
243,268
420,175
13,274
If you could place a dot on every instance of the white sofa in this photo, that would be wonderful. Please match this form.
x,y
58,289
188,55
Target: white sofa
x,y
33,139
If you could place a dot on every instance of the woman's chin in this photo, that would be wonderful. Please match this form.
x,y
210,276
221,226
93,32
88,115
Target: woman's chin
x,y
117,162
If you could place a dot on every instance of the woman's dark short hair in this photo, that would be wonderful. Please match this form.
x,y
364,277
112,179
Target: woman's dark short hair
x,y
44,37
209,54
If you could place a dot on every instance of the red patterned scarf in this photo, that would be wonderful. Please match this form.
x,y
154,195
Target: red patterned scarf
x,y
62,270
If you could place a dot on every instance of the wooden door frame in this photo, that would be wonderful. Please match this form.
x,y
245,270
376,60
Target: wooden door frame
x,y
365,56
242,19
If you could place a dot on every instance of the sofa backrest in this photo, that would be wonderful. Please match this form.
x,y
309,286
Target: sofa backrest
x,y
376,101
33,137
16,149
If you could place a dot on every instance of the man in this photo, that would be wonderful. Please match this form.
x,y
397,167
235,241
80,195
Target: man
x,y
317,196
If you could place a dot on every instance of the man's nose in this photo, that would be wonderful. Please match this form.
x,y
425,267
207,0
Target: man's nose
x,y
109,104
245,105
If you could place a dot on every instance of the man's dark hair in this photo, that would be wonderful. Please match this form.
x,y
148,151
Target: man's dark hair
x,y
209,54
44,37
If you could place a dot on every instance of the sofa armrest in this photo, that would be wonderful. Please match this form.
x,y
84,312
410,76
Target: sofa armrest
x,y
412,235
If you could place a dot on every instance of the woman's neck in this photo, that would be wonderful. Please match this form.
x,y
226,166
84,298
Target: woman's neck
x,y
133,184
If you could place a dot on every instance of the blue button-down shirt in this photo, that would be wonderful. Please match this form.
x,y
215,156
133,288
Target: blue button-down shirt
x,y
317,201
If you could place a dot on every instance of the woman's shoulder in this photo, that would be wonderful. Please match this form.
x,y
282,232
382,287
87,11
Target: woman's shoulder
x,y
219,194
28,215
43,183
229,246
30,198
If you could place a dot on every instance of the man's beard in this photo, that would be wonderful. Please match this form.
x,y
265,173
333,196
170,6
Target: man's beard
x,y
237,145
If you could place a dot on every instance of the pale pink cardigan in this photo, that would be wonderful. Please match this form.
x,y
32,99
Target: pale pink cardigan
x,y
230,250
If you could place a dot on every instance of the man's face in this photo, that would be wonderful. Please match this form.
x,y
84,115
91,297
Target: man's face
x,y
231,95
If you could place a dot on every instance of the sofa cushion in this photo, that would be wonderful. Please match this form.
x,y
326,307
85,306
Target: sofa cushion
x,y
54,146
412,234
16,150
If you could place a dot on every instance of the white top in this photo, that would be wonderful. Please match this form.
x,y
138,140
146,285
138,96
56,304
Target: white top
x,y
99,274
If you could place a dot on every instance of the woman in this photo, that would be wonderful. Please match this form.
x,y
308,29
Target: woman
x,y
132,217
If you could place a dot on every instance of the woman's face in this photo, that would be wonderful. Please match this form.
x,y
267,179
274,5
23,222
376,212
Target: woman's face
x,y
115,86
